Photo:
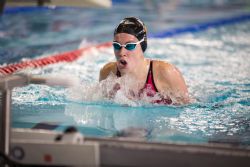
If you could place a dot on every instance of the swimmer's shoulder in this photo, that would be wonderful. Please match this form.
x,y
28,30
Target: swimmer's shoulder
x,y
160,67
107,69
166,75
169,79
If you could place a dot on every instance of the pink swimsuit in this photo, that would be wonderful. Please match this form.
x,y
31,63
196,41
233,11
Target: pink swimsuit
x,y
150,87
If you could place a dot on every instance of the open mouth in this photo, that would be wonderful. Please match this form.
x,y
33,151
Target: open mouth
x,y
123,62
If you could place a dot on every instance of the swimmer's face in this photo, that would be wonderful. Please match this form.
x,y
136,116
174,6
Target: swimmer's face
x,y
127,60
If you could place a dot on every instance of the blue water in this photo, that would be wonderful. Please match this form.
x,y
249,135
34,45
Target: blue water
x,y
214,64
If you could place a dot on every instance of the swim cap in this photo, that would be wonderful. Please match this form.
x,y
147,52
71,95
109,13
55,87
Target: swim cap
x,y
133,26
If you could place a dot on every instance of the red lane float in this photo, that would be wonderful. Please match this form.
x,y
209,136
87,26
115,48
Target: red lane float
x,y
61,57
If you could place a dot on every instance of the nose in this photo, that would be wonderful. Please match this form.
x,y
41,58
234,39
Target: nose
x,y
122,52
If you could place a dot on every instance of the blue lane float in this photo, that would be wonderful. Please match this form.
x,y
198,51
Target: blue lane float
x,y
201,26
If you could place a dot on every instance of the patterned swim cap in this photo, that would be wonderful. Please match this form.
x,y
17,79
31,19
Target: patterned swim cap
x,y
133,26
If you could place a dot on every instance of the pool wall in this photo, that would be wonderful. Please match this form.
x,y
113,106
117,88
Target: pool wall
x,y
130,152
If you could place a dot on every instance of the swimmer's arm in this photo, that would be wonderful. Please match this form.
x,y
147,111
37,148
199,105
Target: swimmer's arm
x,y
106,70
174,83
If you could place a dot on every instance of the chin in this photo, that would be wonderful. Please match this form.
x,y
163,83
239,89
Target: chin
x,y
125,70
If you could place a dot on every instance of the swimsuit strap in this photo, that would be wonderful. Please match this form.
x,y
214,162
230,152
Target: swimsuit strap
x,y
150,77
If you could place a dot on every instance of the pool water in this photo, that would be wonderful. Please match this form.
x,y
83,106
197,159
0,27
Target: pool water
x,y
214,64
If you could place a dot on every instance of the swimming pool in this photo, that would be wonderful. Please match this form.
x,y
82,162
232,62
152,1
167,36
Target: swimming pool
x,y
213,62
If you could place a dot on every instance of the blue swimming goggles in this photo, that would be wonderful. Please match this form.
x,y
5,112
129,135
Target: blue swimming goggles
x,y
129,46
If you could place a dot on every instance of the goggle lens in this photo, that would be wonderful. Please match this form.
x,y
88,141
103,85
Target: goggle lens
x,y
117,46
130,46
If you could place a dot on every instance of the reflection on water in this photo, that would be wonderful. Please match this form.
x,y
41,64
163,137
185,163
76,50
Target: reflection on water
x,y
116,117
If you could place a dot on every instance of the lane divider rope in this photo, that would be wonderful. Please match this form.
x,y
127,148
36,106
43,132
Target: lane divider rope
x,y
53,59
201,26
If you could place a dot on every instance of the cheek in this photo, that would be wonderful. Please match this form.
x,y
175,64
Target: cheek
x,y
132,60
116,55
